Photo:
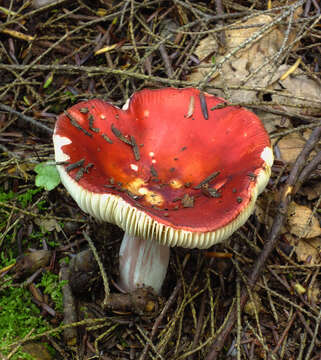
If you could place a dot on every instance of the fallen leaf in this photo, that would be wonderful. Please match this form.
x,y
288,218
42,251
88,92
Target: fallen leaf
x,y
255,66
273,122
312,191
48,225
290,147
47,176
206,47
30,262
301,222
251,64
298,85
307,251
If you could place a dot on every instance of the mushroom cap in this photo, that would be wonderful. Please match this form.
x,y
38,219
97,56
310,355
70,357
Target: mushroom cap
x,y
167,166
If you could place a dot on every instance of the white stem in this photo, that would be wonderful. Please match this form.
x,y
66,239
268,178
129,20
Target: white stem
x,y
142,263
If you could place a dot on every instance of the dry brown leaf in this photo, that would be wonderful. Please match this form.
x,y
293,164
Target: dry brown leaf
x,y
298,85
307,133
312,191
257,52
290,147
246,61
206,47
255,66
48,225
273,122
307,251
301,222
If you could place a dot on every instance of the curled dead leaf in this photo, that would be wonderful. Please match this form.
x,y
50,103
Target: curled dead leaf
x,y
307,251
301,222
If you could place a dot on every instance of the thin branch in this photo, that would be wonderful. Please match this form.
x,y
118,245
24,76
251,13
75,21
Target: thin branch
x,y
314,338
26,118
101,268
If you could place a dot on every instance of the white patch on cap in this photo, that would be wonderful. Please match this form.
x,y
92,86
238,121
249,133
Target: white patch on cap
x,y
153,161
267,156
59,142
146,113
102,116
134,167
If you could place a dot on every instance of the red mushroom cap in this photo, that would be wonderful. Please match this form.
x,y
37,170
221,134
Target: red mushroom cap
x,y
169,167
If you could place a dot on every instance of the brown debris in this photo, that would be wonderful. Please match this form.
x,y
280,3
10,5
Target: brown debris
x,y
203,106
207,180
70,314
188,201
75,123
75,165
142,301
30,262
83,272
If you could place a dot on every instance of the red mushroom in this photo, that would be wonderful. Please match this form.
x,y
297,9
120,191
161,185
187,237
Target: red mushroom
x,y
168,169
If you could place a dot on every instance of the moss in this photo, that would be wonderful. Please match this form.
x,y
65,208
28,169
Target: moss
x,y
18,316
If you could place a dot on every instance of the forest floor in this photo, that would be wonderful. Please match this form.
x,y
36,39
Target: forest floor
x,y
257,295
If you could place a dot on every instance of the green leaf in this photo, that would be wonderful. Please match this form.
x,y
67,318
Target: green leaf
x,y
48,81
47,176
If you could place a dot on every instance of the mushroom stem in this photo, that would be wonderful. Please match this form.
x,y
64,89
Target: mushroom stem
x,y
142,263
